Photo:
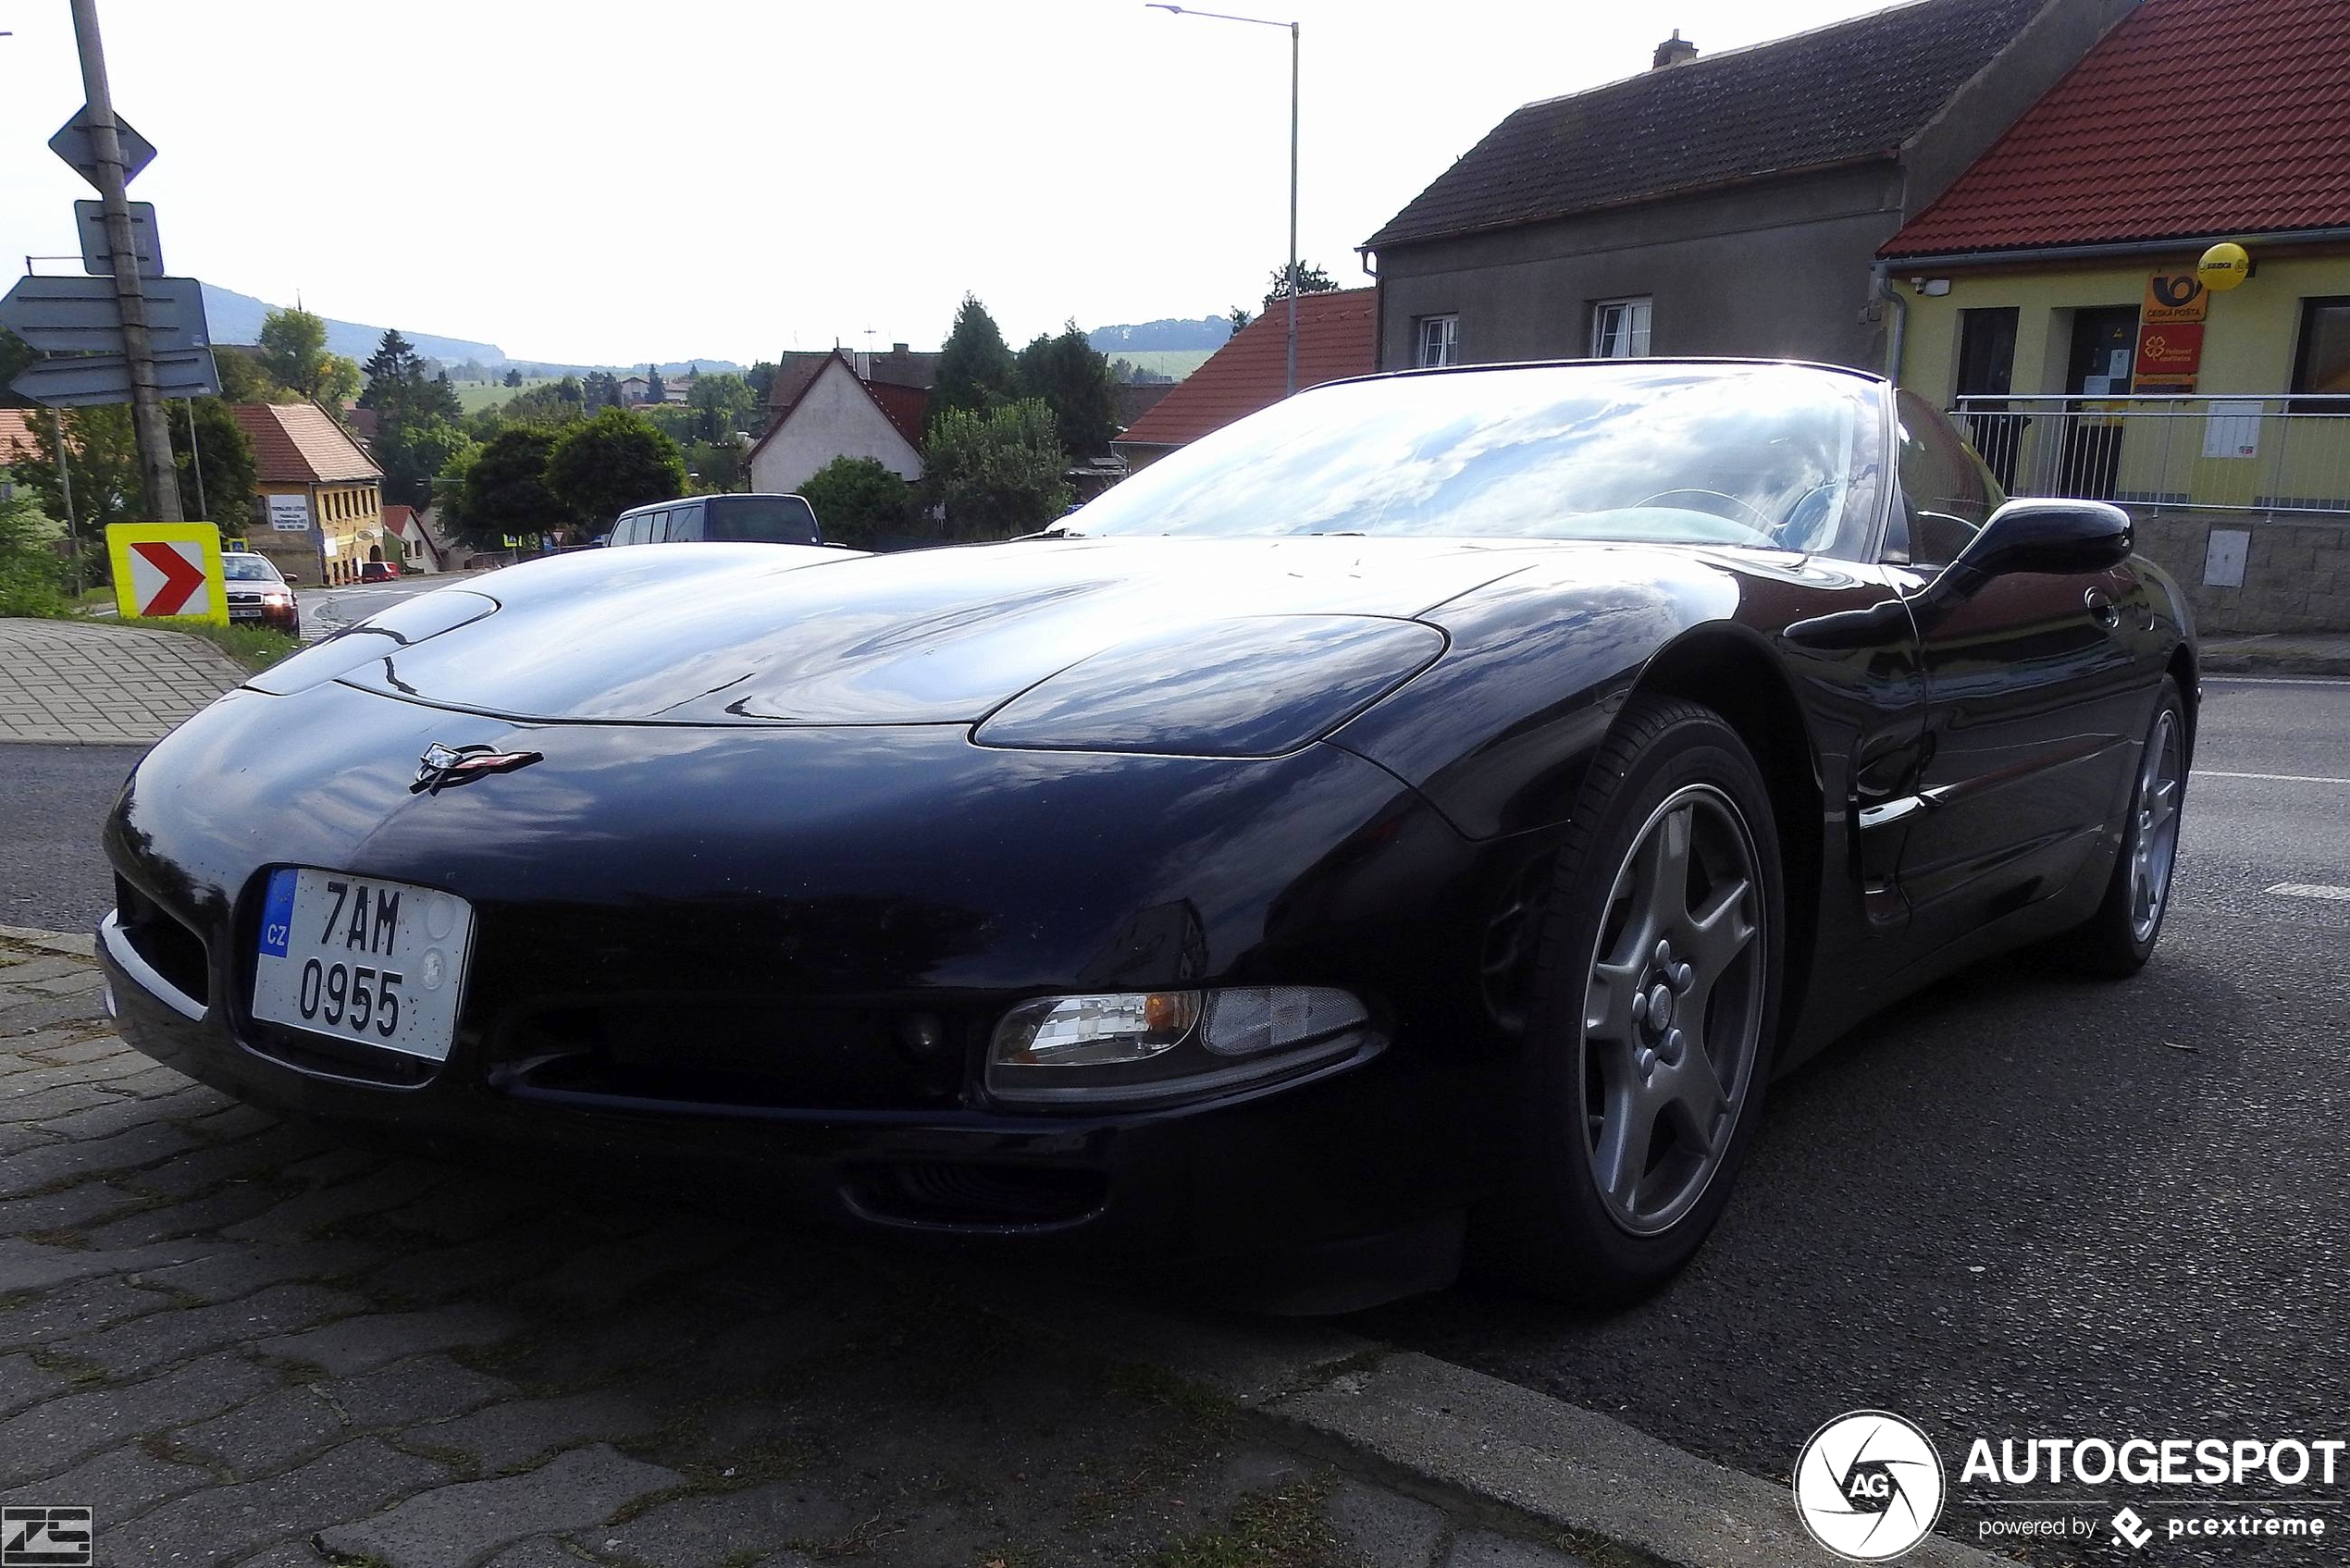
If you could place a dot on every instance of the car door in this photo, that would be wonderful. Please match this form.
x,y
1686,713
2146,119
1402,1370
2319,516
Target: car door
x,y
2033,703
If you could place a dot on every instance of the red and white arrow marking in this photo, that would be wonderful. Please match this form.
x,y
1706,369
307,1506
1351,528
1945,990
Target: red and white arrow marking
x,y
165,577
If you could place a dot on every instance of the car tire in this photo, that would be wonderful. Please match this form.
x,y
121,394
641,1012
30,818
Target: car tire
x,y
2116,942
1640,987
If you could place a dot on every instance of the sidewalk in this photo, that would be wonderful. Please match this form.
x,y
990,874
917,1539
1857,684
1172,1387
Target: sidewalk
x,y
78,683
242,1340
2278,653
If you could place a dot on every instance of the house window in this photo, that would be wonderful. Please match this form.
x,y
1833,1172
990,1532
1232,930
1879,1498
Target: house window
x,y
1620,329
1440,340
2322,363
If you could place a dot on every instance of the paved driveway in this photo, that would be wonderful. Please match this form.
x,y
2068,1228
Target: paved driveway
x,y
89,683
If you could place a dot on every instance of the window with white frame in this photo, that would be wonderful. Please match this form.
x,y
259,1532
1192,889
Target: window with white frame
x,y
1440,340
1620,329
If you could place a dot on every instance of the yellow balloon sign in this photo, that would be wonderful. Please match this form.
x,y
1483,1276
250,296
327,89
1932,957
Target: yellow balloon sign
x,y
2223,266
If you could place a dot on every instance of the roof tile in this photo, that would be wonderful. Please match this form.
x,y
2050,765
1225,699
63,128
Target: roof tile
x,y
2191,119
1337,337
1835,95
299,444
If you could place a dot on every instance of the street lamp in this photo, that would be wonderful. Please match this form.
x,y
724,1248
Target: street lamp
x,y
1263,21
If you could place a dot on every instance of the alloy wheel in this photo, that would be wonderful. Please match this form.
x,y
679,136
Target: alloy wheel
x,y
2154,834
1672,1012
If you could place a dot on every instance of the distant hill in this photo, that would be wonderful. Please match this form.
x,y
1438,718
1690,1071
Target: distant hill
x,y
1208,332
236,319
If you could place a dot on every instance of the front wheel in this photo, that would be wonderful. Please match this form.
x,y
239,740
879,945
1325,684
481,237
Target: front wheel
x,y
1655,1005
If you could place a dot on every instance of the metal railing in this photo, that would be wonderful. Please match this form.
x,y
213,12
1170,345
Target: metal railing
x,y
2278,453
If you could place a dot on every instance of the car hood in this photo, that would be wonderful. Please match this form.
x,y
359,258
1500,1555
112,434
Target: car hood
x,y
767,634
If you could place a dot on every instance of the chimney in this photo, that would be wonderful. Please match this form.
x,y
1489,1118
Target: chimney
x,y
1676,50
897,348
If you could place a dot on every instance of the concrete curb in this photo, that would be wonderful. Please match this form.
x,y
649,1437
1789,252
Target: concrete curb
x,y
52,941
1462,1439
2277,664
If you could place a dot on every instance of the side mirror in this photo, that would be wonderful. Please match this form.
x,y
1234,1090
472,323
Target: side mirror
x,y
2049,536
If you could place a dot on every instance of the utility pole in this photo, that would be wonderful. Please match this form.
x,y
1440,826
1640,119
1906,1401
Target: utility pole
x,y
1292,209
150,420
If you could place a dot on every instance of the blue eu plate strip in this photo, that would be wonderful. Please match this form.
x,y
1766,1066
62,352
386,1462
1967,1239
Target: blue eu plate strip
x,y
276,913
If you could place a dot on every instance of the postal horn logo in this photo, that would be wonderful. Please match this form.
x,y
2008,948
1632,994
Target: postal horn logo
x,y
1869,1486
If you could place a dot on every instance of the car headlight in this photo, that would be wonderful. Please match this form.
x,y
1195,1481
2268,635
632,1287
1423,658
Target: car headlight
x,y
1254,687
400,625
1148,1045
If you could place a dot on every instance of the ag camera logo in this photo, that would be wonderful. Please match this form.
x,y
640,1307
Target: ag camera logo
x,y
1869,1486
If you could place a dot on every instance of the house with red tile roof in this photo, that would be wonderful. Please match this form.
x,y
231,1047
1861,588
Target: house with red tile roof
x,y
2051,295
820,408
1337,337
1718,202
320,513
15,445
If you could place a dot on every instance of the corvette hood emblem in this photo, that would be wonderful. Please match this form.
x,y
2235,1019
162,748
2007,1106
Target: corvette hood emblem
x,y
443,765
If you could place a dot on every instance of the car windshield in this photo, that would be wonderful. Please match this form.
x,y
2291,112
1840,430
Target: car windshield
x,y
250,568
1782,456
766,520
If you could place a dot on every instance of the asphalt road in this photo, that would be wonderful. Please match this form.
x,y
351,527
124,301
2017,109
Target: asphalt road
x,y
2019,1205
2024,1206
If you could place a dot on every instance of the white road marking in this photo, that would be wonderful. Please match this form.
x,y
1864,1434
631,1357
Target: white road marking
x,y
2270,778
2275,680
2309,889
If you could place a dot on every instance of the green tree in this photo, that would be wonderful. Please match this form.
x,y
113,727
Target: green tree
x,y
996,474
226,463
242,378
656,390
1240,317
392,371
512,378
16,358
101,460
413,453
1311,279
975,369
505,489
601,467
293,352
31,580
1073,380
722,405
858,500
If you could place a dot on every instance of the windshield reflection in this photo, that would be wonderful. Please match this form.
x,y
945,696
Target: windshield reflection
x,y
1780,456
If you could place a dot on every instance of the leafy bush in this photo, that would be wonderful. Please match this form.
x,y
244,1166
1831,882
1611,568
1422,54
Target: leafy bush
x,y
602,468
30,582
997,474
858,499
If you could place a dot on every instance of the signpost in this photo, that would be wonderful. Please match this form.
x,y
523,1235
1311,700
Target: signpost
x,y
76,144
167,569
70,316
89,380
90,217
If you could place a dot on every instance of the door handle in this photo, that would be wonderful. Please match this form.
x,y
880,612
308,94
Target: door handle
x,y
2102,609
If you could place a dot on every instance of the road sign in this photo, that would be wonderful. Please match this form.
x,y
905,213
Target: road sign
x,y
72,144
97,255
167,569
71,315
88,380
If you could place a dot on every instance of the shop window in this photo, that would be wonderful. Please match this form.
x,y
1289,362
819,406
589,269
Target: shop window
x,y
2321,360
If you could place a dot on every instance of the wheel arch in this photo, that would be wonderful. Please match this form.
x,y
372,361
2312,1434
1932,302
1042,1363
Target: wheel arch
x,y
2184,669
1730,671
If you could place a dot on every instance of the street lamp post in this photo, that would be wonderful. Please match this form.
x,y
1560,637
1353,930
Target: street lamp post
x,y
1264,21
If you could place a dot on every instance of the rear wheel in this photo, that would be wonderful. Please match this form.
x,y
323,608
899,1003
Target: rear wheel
x,y
2116,942
1654,1007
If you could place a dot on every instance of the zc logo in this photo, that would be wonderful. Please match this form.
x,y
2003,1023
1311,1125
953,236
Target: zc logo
x,y
45,1538
1868,1486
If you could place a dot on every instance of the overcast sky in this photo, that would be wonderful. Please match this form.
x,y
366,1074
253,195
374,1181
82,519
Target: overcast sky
x,y
587,183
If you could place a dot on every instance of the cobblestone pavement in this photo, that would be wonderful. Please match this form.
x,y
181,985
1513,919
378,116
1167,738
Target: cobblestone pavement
x,y
84,683
244,1341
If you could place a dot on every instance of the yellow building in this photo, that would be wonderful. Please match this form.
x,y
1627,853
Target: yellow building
x,y
321,507
2052,300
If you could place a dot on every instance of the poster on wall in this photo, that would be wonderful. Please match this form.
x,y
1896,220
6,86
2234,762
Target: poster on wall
x,y
2171,325
290,514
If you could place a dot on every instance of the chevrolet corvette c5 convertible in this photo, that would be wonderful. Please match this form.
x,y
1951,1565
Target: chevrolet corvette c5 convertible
x,y
1410,826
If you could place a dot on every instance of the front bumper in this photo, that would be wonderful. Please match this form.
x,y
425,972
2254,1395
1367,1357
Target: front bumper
x,y
632,872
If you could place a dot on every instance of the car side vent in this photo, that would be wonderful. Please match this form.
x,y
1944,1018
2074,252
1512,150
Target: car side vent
x,y
174,951
951,1195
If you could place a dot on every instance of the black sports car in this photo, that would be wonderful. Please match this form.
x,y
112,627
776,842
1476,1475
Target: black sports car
x,y
1416,820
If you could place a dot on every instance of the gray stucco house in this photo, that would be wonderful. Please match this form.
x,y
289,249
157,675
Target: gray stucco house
x,y
1727,203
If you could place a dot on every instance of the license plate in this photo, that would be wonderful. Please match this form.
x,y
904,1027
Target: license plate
x,y
362,959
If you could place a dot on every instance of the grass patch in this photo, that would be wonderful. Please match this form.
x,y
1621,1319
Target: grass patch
x,y
255,647
1277,1529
